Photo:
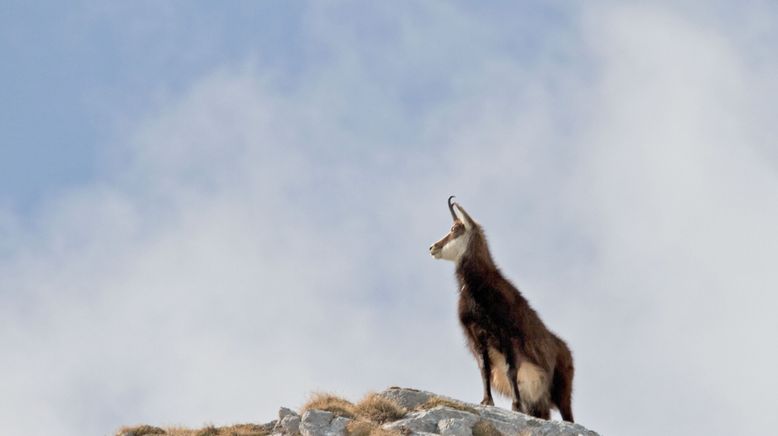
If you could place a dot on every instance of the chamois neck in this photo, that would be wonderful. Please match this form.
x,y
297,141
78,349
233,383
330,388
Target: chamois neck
x,y
476,261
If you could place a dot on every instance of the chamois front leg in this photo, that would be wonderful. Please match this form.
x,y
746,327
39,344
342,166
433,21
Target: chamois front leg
x,y
486,371
513,372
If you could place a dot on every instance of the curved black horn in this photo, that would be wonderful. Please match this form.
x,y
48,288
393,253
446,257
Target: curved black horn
x,y
451,208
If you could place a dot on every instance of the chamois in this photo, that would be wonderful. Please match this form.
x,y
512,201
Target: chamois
x,y
515,351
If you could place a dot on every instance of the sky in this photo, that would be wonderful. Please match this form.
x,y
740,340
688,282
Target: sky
x,y
210,210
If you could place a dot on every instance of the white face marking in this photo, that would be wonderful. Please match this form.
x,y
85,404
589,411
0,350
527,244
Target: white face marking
x,y
454,249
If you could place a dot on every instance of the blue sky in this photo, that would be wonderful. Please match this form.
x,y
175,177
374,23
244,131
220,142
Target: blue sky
x,y
79,69
209,211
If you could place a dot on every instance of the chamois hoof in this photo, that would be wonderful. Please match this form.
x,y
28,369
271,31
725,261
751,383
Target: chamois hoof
x,y
487,402
516,406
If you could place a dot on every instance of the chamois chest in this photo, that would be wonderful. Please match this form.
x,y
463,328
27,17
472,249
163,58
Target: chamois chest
x,y
488,308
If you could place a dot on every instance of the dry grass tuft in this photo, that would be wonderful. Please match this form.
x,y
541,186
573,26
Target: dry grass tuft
x,y
360,428
243,430
140,430
233,430
440,401
485,428
379,409
208,431
367,428
330,403
179,431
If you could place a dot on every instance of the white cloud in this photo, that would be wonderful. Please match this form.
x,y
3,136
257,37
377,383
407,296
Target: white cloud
x,y
680,205
251,244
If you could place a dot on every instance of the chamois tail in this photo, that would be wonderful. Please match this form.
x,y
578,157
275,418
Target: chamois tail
x,y
562,384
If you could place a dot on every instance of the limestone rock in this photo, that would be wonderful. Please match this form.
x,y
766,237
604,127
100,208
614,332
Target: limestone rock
x,y
446,420
510,422
289,425
408,398
284,412
338,425
455,427
427,420
321,423
288,422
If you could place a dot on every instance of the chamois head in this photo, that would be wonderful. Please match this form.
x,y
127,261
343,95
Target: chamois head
x,y
454,244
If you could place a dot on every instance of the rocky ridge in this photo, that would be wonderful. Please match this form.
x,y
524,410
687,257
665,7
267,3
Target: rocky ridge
x,y
393,412
451,418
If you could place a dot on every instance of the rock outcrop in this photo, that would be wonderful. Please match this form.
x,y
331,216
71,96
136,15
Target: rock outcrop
x,y
393,412
444,416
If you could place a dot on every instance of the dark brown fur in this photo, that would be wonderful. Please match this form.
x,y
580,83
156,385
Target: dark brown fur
x,y
495,316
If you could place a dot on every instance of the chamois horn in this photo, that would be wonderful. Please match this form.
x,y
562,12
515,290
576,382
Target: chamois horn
x,y
451,208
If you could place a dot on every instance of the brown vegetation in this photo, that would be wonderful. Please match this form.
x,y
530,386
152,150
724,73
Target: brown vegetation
x,y
330,403
368,428
140,430
446,402
232,430
379,409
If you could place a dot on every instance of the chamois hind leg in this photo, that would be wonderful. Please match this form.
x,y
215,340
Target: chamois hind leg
x,y
562,385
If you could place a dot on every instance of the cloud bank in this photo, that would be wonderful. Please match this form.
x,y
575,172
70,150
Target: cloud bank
x,y
256,237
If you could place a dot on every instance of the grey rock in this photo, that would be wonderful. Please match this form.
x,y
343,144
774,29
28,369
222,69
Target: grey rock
x,y
455,427
427,420
338,425
288,422
557,428
454,422
510,422
284,412
315,423
289,425
408,398
506,421
321,423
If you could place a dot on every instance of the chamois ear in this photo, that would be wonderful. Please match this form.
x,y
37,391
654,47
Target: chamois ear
x,y
463,216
